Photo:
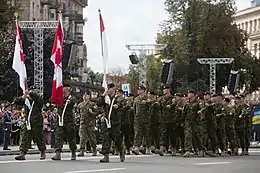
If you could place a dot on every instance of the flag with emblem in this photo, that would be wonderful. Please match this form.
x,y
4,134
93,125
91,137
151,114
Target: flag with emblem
x,y
56,58
18,60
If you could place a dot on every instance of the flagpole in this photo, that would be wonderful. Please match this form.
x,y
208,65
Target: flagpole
x,y
102,30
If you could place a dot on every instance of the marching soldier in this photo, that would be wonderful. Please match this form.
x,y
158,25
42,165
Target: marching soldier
x,y
88,113
154,111
142,122
111,123
166,122
66,125
32,130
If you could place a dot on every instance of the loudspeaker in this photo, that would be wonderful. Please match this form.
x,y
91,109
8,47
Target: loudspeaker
x,y
167,73
233,81
133,59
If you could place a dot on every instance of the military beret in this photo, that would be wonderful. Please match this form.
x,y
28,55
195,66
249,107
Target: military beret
x,y
141,88
242,95
152,93
237,97
178,94
191,91
66,85
207,93
200,98
166,87
130,95
120,90
111,85
87,92
32,87
214,95
227,100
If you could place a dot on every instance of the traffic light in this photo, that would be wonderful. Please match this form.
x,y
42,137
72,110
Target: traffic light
x,y
133,58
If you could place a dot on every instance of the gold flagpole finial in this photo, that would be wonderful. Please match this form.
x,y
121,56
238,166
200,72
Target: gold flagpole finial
x,y
60,6
16,14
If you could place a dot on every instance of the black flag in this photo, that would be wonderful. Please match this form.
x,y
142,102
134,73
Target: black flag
x,y
233,81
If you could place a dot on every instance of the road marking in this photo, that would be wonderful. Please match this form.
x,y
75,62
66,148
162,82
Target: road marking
x,y
212,163
97,170
79,158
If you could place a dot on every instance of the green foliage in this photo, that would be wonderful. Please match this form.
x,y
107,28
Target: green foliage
x,y
203,29
132,78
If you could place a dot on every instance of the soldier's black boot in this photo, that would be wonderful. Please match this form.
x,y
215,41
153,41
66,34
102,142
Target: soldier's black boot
x,y
161,151
122,155
105,159
73,155
81,153
94,151
57,156
246,152
43,155
21,156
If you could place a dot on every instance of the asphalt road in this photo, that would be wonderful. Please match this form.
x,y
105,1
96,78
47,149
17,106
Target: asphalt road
x,y
134,164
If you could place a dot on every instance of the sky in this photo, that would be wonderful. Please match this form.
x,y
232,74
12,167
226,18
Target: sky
x,y
126,22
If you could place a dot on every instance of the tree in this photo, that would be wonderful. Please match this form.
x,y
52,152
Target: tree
x,y
133,77
115,75
203,29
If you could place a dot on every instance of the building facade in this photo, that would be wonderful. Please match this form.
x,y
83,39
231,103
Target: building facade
x,y
249,21
72,13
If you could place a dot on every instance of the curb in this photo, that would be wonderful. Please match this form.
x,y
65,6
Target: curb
x,y
17,152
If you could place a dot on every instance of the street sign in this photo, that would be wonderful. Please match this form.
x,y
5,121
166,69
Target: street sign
x,y
126,89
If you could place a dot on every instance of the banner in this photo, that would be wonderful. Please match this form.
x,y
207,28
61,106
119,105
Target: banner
x,y
256,118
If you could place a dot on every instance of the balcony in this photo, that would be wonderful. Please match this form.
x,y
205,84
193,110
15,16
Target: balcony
x,y
46,2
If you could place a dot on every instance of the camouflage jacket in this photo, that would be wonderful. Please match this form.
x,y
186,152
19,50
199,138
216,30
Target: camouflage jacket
x,y
154,110
141,109
128,114
190,111
166,109
88,112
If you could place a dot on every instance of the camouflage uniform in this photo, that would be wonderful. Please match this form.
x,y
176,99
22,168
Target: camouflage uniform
x,y
167,123
248,127
240,126
178,112
220,131
229,113
113,133
192,127
67,130
88,115
36,121
126,124
154,110
142,123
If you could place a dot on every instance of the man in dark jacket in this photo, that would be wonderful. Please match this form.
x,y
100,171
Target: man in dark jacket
x,y
32,130
111,123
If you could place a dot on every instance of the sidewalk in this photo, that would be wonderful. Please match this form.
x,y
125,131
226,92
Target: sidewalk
x,y
15,150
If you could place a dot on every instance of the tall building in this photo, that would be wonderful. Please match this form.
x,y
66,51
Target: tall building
x,y
249,21
72,12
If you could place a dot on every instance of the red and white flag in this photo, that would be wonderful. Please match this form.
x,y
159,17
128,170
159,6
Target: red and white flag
x,y
18,60
56,58
104,49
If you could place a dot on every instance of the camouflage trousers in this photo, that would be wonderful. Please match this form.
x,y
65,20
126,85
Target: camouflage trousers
x,y
221,133
142,134
155,134
231,134
35,134
87,133
193,136
126,135
109,135
247,137
168,134
240,137
68,131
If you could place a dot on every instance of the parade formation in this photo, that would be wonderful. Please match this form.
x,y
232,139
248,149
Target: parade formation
x,y
195,124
